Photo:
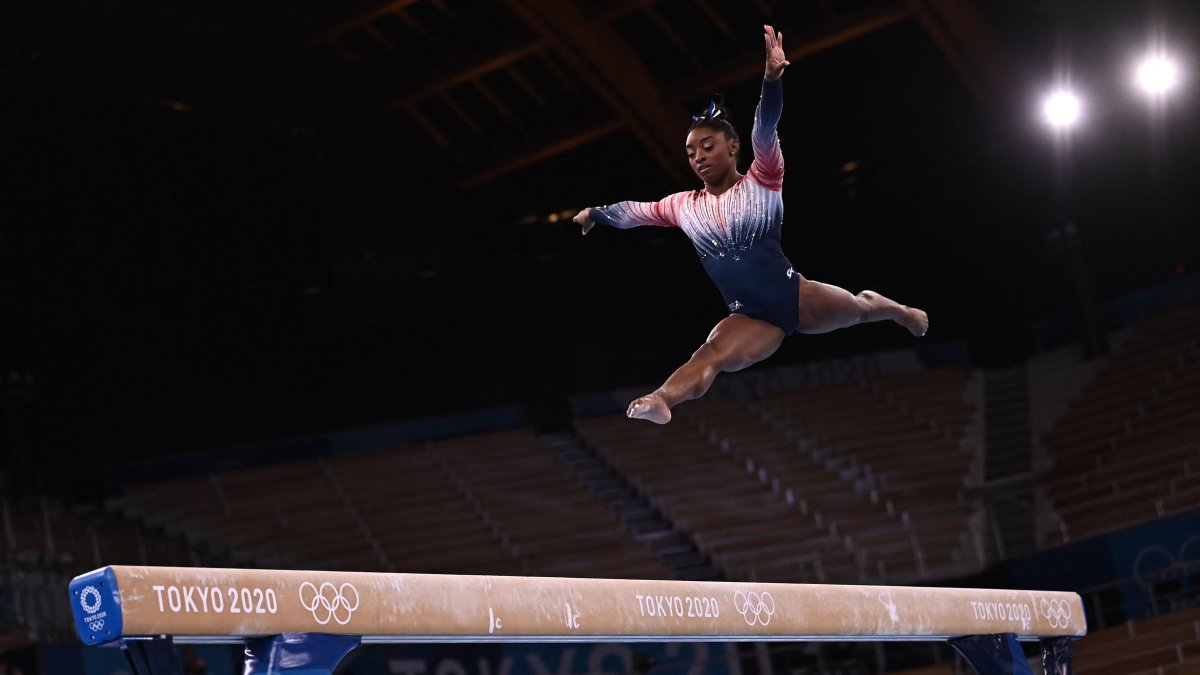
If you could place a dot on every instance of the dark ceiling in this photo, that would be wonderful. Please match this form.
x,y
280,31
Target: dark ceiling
x,y
242,219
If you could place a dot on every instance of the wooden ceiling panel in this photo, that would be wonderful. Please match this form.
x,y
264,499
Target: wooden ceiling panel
x,y
525,76
662,56
545,81
529,107
332,14
841,30
745,19
376,56
440,113
493,122
443,30
412,45
704,32
356,14
804,14
491,19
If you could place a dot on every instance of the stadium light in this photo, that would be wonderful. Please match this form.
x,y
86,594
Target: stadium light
x,y
1157,75
1061,109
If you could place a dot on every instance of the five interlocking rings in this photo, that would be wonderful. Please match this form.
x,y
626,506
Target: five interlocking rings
x,y
755,608
89,600
96,625
329,602
1057,611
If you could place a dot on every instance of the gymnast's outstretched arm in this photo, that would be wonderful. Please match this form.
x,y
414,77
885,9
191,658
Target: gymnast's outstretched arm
x,y
626,215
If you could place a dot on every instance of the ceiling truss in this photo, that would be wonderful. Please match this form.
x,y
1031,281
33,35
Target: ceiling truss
x,y
571,75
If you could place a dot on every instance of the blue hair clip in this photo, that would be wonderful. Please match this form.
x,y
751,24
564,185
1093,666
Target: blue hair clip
x,y
709,114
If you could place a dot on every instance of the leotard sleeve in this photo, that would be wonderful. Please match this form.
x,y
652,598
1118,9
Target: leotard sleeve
x,y
767,167
624,215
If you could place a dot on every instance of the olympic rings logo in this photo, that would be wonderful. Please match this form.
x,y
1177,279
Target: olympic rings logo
x,y
329,602
1057,611
95,626
754,608
89,600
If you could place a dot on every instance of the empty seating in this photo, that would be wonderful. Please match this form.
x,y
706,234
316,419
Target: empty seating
x,y
1167,644
553,525
403,501
391,510
833,483
50,535
748,529
899,440
1127,450
498,503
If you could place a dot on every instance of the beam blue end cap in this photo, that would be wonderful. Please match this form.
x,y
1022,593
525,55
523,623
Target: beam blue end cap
x,y
96,604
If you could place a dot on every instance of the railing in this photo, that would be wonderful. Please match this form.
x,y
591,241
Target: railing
x,y
1170,589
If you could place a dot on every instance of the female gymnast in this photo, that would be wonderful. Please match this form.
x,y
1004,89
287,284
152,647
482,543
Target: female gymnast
x,y
734,224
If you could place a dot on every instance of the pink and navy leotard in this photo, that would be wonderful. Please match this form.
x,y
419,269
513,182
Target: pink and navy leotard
x,y
736,233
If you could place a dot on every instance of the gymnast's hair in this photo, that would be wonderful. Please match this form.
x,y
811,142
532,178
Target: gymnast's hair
x,y
715,117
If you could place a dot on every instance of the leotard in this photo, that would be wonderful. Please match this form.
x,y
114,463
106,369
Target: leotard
x,y
736,233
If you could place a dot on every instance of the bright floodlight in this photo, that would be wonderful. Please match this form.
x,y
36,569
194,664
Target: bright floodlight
x,y
1157,75
1061,109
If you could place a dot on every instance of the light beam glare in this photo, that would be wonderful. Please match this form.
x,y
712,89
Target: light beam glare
x,y
1061,109
1157,75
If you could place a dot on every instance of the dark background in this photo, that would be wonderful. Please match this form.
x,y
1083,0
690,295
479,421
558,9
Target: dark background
x,y
214,232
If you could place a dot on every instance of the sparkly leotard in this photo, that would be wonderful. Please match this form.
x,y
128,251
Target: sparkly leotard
x,y
736,233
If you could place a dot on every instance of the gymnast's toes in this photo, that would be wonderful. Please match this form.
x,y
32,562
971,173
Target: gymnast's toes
x,y
650,408
918,322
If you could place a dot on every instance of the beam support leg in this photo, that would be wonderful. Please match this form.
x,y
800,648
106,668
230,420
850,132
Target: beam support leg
x,y
152,656
993,654
297,653
1056,656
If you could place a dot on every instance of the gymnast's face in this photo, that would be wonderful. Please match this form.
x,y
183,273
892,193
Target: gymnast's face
x,y
712,154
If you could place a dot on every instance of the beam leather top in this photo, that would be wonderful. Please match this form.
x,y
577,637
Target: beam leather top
x,y
205,604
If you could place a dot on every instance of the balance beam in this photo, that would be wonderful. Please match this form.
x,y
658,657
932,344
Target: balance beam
x,y
231,605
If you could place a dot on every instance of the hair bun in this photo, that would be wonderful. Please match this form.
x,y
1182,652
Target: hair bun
x,y
716,109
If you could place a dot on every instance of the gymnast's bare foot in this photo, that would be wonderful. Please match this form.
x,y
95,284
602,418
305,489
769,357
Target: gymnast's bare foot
x,y
650,407
917,322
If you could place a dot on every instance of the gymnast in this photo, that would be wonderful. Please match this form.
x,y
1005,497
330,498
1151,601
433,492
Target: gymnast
x,y
734,223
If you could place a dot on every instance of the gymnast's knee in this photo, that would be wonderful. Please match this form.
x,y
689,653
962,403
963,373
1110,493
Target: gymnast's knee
x,y
866,302
709,353
718,357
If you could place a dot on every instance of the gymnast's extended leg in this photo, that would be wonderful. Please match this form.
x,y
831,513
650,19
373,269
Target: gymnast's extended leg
x,y
737,342
824,308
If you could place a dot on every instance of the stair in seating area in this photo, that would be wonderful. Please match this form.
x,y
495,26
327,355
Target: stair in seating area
x,y
1008,464
646,524
1125,451
896,447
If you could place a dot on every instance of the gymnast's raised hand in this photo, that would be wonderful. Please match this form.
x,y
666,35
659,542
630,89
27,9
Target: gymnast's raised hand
x,y
735,223
776,57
